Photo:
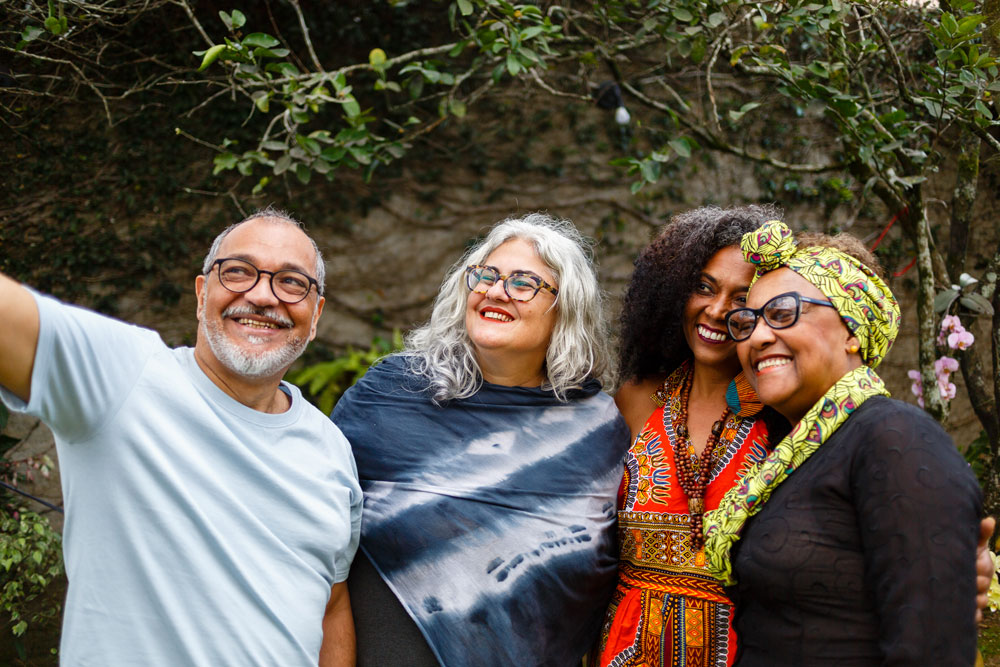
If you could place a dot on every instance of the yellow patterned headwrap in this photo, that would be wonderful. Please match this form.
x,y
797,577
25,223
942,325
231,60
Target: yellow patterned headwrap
x,y
864,301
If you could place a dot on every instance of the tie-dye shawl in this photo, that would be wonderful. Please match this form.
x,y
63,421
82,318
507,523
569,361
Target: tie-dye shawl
x,y
492,518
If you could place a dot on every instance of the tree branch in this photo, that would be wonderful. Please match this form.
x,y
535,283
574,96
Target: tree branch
x,y
721,145
897,66
305,35
558,93
985,136
194,20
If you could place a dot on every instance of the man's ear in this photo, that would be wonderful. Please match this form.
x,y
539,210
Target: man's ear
x,y
199,292
319,311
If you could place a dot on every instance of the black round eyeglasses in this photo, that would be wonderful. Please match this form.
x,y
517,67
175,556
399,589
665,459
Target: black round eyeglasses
x,y
289,285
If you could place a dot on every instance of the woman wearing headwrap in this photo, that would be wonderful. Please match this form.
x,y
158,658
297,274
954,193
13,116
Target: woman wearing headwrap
x,y
852,542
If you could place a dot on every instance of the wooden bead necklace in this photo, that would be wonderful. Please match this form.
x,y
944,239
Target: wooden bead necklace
x,y
693,471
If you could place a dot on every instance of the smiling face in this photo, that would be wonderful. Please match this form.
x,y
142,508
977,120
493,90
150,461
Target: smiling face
x,y
254,334
792,368
511,337
721,288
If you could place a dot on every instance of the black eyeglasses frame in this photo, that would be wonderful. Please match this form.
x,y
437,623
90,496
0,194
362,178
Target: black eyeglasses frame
x,y
758,313
271,274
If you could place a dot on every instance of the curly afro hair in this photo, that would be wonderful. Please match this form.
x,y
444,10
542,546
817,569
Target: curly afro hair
x,y
666,274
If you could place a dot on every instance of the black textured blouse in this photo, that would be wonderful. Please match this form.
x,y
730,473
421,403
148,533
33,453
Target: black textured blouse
x,y
865,555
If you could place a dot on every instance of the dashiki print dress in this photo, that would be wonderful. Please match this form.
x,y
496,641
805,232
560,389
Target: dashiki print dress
x,y
667,609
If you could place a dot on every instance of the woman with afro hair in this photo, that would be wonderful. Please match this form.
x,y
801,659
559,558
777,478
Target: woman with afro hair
x,y
695,426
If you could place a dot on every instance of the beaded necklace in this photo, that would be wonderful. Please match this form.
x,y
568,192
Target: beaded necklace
x,y
693,471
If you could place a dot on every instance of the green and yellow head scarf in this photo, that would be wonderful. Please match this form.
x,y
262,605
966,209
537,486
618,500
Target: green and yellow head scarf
x,y
870,312
863,300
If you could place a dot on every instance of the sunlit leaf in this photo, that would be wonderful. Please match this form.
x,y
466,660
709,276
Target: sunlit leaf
x,y
944,299
211,55
259,39
351,108
680,146
976,303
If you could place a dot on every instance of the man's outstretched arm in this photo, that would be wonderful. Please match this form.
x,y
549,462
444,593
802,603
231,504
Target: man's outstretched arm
x,y
18,337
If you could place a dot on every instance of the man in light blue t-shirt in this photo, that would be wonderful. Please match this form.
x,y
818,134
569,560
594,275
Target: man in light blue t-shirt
x,y
211,512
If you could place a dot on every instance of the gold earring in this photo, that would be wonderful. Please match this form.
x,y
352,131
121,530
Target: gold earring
x,y
853,349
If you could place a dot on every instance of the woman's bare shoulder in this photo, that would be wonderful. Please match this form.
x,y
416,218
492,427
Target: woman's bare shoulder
x,y
634,402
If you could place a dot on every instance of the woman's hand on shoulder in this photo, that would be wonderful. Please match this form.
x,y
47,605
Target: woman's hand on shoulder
x,y
984,566
634,402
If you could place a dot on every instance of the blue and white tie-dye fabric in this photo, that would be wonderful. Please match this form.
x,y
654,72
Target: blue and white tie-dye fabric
x,y
492,518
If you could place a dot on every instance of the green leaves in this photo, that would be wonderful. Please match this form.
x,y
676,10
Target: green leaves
x,y
497,37
211,55
649,169
30,558
513,64
224,161
735,116
259,39
681,146
682,15
324,383
233,21
56,25
249,53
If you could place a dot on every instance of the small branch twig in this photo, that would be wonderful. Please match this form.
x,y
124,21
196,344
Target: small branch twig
x,y
305,35
719,144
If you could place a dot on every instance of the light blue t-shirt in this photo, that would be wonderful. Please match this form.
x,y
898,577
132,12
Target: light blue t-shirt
x,y
198,531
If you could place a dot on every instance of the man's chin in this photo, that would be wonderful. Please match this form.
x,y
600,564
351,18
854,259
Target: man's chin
x,y
245,358
263,365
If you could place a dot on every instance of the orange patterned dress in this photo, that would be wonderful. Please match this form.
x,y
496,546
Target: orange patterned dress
x,y
667,608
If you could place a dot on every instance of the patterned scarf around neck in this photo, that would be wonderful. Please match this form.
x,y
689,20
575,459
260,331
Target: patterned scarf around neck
x,y
724,525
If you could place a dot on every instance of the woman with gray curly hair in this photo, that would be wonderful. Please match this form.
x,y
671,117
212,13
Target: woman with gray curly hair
x,y
490,458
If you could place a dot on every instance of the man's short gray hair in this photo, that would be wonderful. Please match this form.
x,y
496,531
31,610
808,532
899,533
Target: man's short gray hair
x,y
279,217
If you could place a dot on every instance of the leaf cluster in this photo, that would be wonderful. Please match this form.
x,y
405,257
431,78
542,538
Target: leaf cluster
x,y
366,114
325,382
30,559
966,297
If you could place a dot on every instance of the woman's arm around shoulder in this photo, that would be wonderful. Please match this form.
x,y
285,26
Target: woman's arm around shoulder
x,y
634,402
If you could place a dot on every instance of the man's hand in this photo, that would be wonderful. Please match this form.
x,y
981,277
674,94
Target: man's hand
x,y
18,337
338,649
984,565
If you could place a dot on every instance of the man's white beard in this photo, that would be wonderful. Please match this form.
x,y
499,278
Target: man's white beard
x,y
249,363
